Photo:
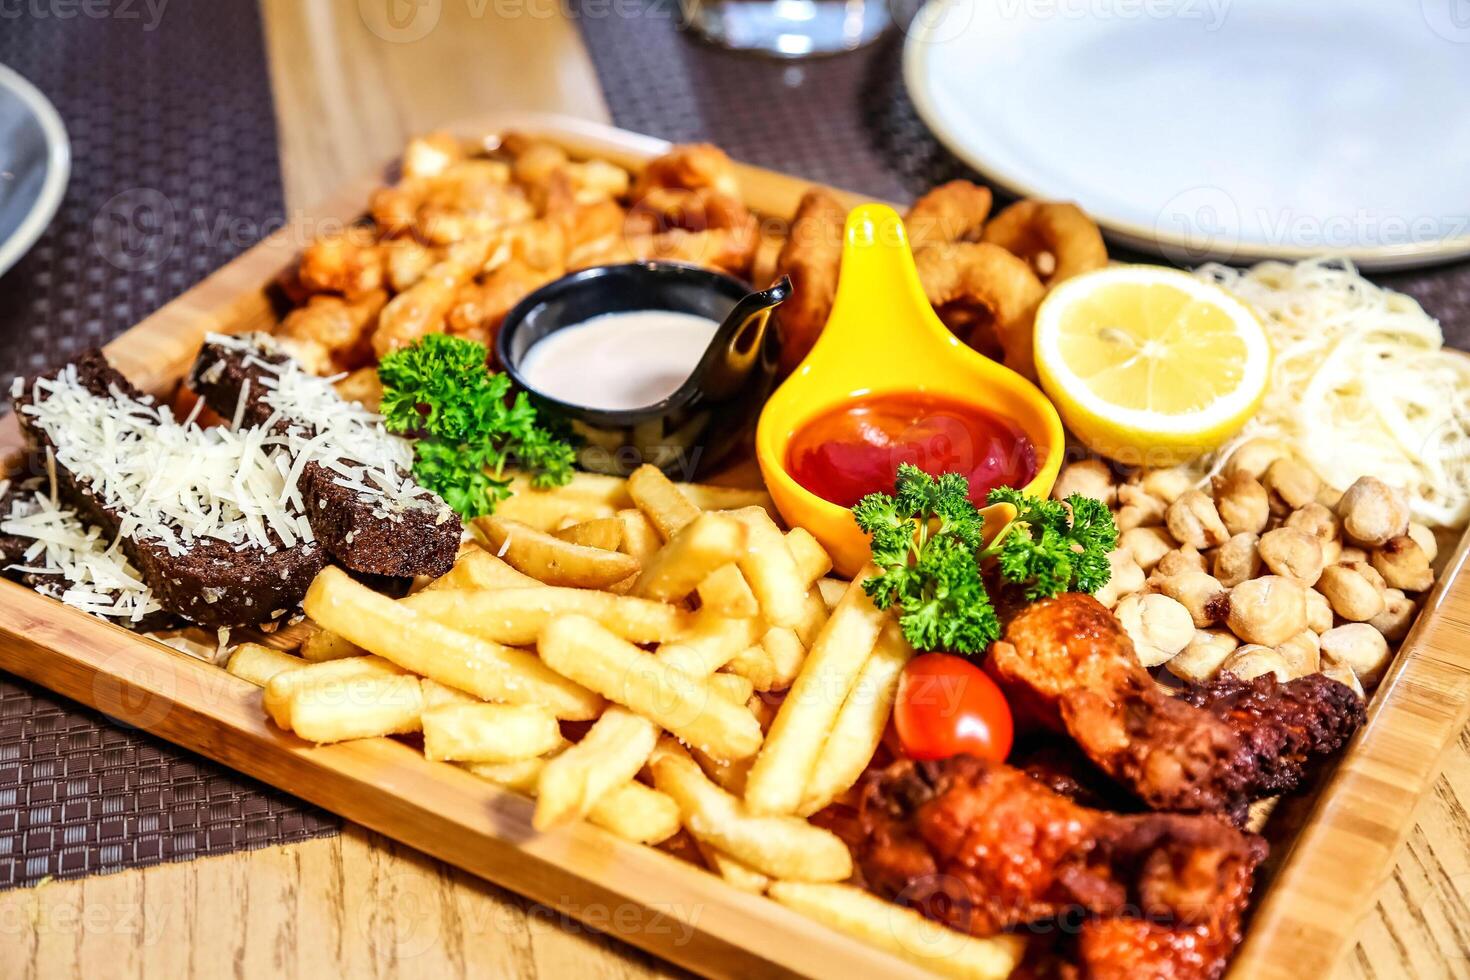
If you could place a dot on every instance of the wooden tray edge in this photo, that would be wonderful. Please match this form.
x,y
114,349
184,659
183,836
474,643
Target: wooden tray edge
x,y
1303,922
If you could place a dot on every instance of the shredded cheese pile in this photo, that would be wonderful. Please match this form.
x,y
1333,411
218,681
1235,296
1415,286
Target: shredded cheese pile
x,y
324,428
1361,384
90,573
178,482
169,481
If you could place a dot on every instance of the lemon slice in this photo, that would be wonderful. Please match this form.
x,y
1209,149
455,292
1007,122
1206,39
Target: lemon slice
x,y
1150,366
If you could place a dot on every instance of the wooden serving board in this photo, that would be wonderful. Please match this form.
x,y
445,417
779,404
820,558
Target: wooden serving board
x,y
1329,854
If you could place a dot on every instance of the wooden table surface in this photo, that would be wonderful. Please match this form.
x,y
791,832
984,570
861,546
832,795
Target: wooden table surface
x,y
359,905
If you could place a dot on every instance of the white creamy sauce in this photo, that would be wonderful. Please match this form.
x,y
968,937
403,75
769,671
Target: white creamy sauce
x,y
619,360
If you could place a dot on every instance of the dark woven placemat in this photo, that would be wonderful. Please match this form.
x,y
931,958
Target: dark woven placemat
x,y
845,120
174,173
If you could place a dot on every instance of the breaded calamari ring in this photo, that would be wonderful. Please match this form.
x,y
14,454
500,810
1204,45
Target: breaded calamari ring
x,y
952,212
1056,238
986,291
812,257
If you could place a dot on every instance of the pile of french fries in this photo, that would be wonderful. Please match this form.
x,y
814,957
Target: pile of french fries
x,y
719,682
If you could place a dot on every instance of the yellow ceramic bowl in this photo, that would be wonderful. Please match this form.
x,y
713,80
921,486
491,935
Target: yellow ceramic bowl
x,y
884,338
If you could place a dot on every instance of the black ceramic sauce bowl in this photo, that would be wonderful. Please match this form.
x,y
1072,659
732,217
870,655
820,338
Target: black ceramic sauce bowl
x,y
692,429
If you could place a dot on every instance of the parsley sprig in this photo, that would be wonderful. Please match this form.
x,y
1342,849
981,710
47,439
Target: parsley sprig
x,y
468,429
926,542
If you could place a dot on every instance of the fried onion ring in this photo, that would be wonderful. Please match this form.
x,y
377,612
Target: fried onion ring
x,y
952,212
985,295
811,256
1056,238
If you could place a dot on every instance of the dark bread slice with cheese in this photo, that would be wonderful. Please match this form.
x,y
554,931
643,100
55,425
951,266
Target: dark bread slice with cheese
x,y
398,533
19,504
211,582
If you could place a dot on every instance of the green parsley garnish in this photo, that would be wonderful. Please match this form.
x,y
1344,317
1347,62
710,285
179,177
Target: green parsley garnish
x,y
468,432
926,543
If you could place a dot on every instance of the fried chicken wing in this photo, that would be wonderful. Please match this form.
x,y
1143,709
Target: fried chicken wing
x,y
983,847
1281,727
1068,662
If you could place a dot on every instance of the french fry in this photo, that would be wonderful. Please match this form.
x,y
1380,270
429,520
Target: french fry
x,y
476,568
902,931
755,665
707,496
786,653
323,645
860,724
589,495
632,811
779,777
600,532
609,491
436,694
516,617
637,813
661,501
285,683
768,566
336,709
521,775
611,754
725,592
812,560
600,661
488,732
545,509
729,776
706,543
731,687
779,846
258,664
738,875
813,617
710,644
640,537
415,642
553,561
832,590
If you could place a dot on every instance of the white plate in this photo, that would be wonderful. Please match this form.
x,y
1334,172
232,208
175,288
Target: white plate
x,y
1219,129
35,162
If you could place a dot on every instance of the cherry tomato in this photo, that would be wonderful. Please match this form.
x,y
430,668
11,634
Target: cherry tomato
x,y
947,706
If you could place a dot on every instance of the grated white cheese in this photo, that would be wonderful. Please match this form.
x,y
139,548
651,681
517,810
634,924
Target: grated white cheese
x,y
179,482
324,427
92,574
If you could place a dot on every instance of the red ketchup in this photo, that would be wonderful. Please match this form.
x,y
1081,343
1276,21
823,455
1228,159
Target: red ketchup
x,y
854,450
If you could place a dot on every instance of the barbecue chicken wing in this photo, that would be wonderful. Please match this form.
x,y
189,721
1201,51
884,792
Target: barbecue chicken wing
x,y
983,847
1068,662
